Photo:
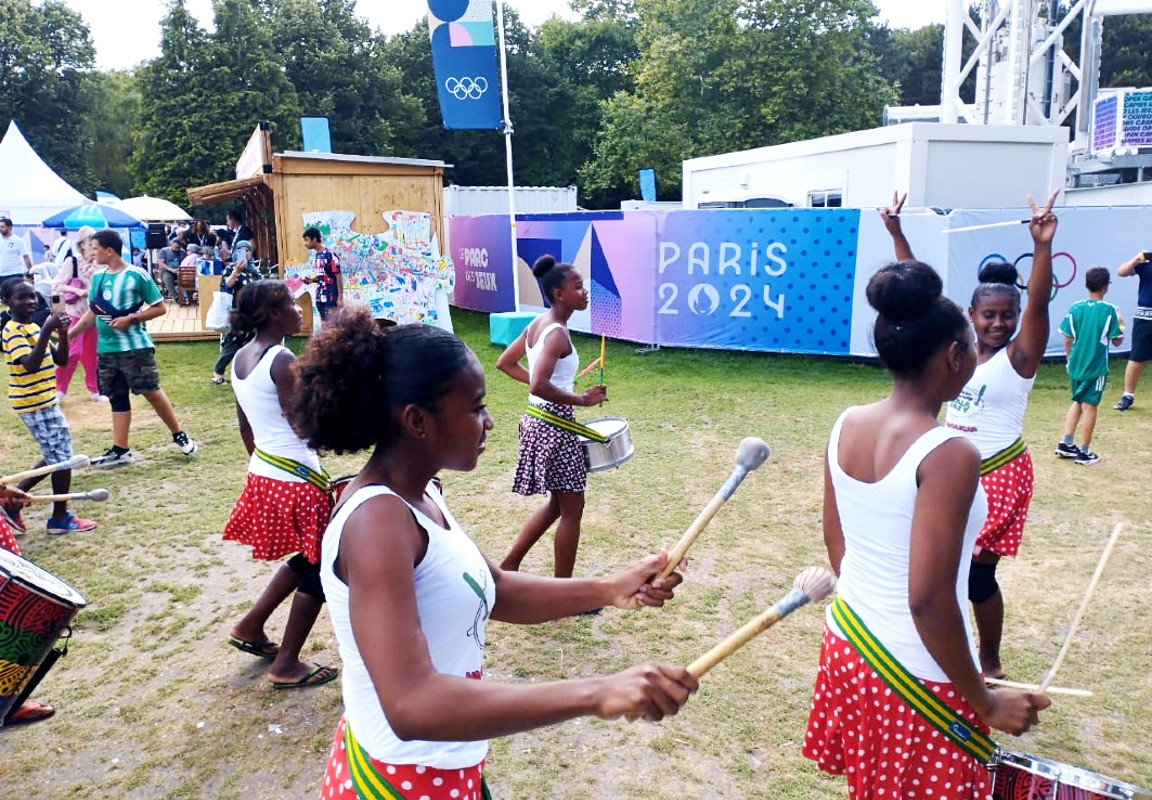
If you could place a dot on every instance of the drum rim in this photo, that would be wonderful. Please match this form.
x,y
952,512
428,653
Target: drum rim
x,y
77,601
1069,775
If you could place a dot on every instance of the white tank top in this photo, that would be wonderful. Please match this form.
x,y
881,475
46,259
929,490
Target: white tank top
x,y
564,375
454,596
876,519
990,409
257,396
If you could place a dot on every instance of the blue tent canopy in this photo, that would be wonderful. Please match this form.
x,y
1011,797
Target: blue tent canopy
x,y
93,214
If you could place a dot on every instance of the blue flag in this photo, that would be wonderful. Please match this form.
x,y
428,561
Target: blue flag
x,y
464,60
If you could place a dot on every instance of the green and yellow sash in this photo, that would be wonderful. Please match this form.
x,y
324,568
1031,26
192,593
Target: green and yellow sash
x,y
997,460
909,688
565,424
368,782
321,480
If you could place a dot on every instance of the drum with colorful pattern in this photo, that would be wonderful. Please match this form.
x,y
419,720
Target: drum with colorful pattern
x,y
1024,777
36,607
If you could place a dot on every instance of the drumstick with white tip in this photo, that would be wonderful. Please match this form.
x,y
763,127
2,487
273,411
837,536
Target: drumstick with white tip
x,y
1051,674
750,454
75,462
986,226
811,586
1033,687
96,496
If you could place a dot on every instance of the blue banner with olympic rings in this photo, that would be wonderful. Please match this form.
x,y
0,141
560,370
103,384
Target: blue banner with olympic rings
x,y
464,60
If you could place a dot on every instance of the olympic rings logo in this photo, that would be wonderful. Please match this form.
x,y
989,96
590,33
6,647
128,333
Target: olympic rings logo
x,y
1021,284
466,88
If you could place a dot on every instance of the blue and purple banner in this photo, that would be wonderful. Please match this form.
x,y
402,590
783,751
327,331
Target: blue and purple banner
x,y
742,280
464,60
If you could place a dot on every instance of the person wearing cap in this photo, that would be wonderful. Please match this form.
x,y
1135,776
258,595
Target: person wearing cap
x,y
14,259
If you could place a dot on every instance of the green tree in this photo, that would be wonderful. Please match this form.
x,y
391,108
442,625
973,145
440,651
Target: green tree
x,y
115,106
721,75
340,69
204,94
912,61
46,53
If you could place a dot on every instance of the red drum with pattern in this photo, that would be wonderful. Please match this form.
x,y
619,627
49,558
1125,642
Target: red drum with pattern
x,y
1023,777
35,609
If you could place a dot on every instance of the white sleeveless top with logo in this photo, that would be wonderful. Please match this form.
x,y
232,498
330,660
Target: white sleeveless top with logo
x,y
454,595
990,409
876,519
256,395
564,375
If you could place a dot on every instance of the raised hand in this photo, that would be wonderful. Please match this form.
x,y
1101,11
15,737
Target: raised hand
x,y
1043,224
890,216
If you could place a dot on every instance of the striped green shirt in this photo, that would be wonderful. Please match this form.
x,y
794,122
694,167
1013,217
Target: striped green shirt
x,y
28,391
126,289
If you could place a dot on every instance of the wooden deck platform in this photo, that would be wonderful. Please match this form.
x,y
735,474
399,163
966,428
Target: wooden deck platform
x,y
180,324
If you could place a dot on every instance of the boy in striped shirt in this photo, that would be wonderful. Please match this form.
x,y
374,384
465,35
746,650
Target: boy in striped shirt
x,y
32,362
1088,328
121,300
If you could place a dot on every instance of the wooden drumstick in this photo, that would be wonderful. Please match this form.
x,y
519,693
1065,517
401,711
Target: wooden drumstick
x,y
750,454
1051,674
1032,687
811,586
96,496
75,462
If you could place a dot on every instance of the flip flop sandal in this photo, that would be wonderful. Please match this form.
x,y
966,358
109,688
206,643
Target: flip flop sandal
x,y
317,677
265,649
31,711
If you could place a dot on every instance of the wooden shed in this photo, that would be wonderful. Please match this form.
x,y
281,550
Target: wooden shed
x,y
277,189
296,183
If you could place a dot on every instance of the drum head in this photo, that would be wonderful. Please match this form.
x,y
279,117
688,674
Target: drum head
x,y
41,580
1064,775
608,426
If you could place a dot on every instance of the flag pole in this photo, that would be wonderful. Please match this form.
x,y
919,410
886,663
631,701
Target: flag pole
x,y
508,157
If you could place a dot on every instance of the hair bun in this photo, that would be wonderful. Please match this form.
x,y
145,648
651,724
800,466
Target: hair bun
x,y
905,290
542,265
999,272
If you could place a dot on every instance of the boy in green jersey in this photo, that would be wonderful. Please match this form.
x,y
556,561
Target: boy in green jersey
x,y
1088,328
121,300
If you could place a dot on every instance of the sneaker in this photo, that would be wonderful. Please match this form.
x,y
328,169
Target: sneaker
x,y
59,397
186,445
70,524
1124,403
1067,450
113,458
99,398
14,518
1087,459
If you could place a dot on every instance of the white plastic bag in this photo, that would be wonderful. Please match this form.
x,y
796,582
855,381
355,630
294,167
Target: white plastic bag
x,y
217,317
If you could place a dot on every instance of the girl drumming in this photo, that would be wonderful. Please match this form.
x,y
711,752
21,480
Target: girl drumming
x,y
990,410
902,508
551,458
285,505
410,594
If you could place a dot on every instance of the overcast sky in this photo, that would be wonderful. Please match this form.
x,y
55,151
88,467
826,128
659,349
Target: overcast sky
x,y
127,31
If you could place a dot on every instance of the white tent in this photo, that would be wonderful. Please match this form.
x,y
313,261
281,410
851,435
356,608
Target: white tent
x,y
31,191
151,209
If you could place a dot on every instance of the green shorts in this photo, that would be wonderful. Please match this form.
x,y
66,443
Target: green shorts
x,y
1089,391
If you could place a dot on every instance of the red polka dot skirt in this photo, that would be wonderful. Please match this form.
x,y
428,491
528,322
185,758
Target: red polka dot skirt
x,y
7,540
860,729
1009,491
411,781
279,518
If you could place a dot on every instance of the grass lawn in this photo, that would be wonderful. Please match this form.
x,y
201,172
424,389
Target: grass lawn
x,y
153,703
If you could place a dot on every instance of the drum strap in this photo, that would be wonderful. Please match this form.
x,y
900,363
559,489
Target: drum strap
x,y
997,460
368,782
565,424
321,480
908,687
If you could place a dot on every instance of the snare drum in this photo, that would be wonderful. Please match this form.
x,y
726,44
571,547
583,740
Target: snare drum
x,y
1024,777
35,609
600,456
